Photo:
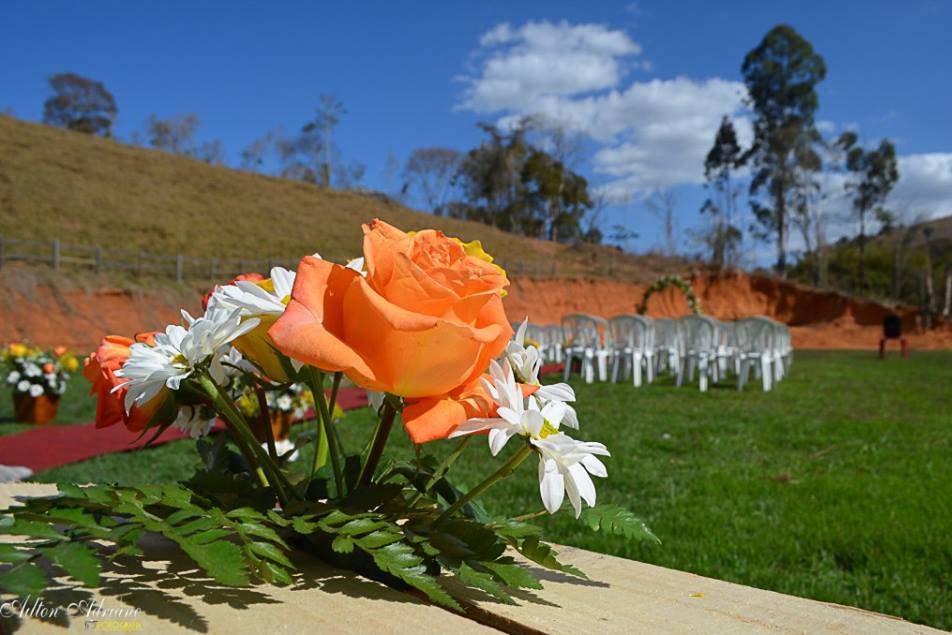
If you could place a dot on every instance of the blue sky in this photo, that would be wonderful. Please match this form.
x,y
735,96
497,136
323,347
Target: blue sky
x,y
644,83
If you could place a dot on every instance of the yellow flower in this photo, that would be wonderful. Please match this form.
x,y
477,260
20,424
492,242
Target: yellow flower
x,y
18,349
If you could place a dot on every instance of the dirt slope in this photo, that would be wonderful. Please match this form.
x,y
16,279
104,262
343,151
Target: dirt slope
x,y
49,315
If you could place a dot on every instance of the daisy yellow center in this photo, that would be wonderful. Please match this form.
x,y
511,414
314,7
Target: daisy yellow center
x,y
286,299
267,285
547,430
180,360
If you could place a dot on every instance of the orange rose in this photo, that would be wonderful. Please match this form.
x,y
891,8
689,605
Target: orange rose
x,y
100,369
48,368
59,351
423,324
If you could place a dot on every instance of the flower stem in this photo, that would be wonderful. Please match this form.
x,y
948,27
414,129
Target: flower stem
x,y
442,469
238,424
384,425
505,470
265,421
316,383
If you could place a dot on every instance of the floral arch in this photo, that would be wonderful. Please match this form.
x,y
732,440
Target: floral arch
x,y
671,281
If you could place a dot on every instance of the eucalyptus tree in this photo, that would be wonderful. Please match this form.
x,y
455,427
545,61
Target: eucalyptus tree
x,y
724,158
781,74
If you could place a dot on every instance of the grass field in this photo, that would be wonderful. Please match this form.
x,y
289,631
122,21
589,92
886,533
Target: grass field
x,y
835,486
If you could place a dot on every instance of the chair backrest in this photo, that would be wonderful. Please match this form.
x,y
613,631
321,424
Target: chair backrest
x,y
757,335
581,331
631,331
699,333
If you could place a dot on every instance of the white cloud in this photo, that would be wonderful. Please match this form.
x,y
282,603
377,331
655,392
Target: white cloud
x,y
652,133
925,185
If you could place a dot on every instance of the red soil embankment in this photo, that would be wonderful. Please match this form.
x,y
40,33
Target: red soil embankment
x,y
77,318
817,319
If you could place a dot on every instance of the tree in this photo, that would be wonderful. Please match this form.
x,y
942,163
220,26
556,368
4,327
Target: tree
x,y
176,134
253,155
313,156
875,174
661,204
724,157
511,184
81,104
430,172
781,74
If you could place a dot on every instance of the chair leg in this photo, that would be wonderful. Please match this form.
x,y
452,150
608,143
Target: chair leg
x,y
741,374
568,366
602,357
589,367
636,369
650,367
702,373
765,372
616,362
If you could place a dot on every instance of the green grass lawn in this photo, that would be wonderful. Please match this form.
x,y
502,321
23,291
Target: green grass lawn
x,y
834,486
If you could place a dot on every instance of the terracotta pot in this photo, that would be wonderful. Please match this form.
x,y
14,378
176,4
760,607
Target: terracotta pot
x,y
38,410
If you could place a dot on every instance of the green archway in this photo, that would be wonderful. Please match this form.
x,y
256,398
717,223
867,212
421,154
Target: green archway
x,y
671,281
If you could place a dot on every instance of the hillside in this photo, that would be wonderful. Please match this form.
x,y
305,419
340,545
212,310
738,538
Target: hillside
x,y
92,191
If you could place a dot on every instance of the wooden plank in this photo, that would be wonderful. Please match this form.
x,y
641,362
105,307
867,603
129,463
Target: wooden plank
x,y
172,598
621,596
624,596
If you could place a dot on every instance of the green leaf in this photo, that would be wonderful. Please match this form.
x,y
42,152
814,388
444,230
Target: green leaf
x,y
516,529
398,559
248,514
343,544
484,581
268,550
222,560
199,524
77,560
543,554
261,531
275,574
303,526
182,514
72,515
23,580
9,553
617,520
513,574
31,528
378,539
211,535
360,526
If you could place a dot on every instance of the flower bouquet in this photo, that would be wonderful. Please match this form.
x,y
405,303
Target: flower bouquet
x,y
38,379
419,323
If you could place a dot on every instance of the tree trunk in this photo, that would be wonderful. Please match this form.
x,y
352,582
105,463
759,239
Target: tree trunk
x,y
861,273
948,293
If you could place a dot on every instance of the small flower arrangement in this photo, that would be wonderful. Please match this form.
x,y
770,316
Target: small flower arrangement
x,y
418,322
37,372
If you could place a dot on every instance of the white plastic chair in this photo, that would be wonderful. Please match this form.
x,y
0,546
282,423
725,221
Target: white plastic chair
x,y
668,346
700,350
582,340
633,346
757,349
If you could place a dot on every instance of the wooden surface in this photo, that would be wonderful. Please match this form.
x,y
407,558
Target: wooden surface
x,y
622,596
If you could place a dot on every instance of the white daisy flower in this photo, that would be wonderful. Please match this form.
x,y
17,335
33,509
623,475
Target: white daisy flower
x,y
564,467
36,390
32,370
13,377
526,362
179,351
191,421
254,298
283,447
284,403
24,385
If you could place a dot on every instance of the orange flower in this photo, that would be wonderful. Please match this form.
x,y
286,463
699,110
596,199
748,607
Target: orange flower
x,y
59,351
423,324
48,368
100,369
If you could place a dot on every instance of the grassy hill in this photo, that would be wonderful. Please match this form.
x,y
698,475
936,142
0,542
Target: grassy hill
x,y
87,190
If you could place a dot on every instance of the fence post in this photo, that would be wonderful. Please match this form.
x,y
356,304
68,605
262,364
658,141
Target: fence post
x,y
98,259
56,253
179,267
2,252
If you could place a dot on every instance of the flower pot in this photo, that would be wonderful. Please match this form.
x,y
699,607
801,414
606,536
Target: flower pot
x,y
38,410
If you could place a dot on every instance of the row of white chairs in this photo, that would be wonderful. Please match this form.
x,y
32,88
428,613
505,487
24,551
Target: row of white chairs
x,y
694,346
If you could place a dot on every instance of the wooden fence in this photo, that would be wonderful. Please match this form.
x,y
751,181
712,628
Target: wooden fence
x,y
59,254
